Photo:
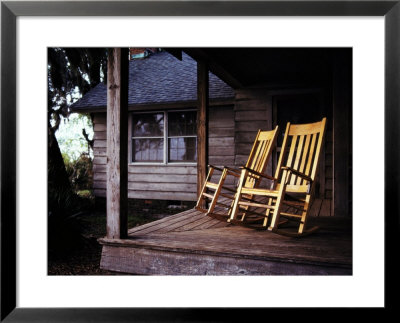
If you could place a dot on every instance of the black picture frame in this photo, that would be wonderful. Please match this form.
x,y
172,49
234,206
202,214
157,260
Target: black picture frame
x,y
10,10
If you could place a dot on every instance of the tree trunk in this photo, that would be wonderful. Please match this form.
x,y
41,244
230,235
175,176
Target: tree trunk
x,y
58,181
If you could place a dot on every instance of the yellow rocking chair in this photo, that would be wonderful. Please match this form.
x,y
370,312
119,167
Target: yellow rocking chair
x,y
258,159
290,194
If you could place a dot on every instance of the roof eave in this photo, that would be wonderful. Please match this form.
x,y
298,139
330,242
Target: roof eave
x,y
155,106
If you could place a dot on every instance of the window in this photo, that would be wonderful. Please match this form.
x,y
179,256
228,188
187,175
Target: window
x,y
182,136
164,137
148,137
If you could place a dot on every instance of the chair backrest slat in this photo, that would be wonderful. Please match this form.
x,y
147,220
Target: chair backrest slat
x,y
258,158
299,151
289,162
303,154
304,157
260,153
319,148
311,155
253,151
278,170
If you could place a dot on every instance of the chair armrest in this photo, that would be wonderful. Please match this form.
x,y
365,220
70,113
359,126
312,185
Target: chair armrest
x,y
215,167
258,174
232,171
296,172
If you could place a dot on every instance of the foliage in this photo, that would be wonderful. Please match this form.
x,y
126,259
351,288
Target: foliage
x,y
71,135
71,73
64,227
85,260
80,172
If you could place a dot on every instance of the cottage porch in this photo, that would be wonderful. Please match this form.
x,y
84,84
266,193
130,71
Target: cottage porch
x,y
191,243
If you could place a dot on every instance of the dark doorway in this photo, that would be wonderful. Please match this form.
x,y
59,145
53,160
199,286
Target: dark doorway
x,y
304,108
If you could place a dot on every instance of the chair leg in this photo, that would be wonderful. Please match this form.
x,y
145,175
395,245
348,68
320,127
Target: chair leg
x,y
302,232
235,206
201,204
276,215
267,212
231,207
217,191
303,220
277,210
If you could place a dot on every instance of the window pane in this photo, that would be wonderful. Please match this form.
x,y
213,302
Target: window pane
x,y
148,150
182,149
182,123
148,125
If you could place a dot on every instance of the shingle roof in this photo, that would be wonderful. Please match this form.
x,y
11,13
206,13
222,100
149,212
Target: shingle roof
x,y
161,78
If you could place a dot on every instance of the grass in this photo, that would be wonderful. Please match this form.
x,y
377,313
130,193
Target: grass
x,y
85,260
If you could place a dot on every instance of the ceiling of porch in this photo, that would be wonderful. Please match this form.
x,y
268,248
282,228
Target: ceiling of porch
x,y
259,67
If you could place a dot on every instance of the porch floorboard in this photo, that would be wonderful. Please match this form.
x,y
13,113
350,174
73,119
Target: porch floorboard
x,y
191,243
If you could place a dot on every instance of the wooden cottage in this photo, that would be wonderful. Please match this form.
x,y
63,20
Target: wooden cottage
x,y
248,89
162,104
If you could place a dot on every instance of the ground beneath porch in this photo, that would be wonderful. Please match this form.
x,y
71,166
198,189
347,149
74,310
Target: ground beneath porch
x,y
85,259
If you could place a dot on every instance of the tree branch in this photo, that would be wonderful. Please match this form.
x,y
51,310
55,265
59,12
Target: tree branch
x,y
86,136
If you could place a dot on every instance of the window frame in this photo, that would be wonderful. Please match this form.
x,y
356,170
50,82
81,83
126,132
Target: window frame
x,y
165,161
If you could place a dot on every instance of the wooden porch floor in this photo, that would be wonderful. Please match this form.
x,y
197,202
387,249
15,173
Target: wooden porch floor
x,y
191,243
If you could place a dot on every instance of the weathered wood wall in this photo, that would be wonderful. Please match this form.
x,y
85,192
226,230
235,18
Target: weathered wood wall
x,y
167,182
221,141
253,111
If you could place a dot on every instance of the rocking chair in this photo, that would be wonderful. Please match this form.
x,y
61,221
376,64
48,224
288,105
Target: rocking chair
x,y
292,188
257,162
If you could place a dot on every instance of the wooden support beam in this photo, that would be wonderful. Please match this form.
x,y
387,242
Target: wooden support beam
x,y
215,67
117,145
202,125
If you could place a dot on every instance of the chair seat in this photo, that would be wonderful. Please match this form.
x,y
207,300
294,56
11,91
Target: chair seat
x,y
301,189
260,191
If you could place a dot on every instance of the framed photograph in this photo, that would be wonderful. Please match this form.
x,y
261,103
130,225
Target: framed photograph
x,y
371,29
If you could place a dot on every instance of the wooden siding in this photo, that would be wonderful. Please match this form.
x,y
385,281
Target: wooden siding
x,y
253,111
221,144
167,182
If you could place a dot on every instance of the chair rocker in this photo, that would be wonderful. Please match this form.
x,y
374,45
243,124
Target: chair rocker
x,y
216,193
292,189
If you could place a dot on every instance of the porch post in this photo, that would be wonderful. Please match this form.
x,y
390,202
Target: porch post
x,y
202,125
117,144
